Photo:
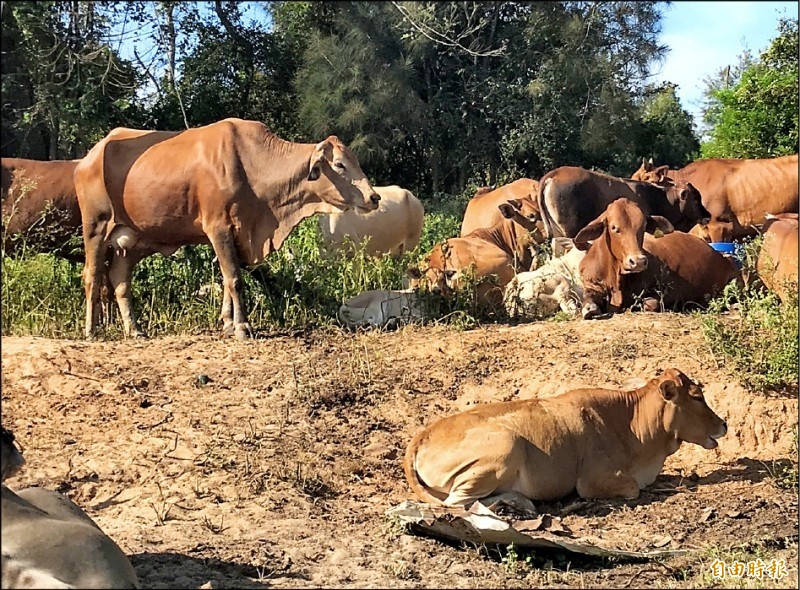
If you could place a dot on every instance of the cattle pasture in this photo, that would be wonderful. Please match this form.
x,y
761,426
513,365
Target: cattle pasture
x,y
270,463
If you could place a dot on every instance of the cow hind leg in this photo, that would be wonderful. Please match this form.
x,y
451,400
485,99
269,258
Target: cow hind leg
x,y
94,272
120,275
225,249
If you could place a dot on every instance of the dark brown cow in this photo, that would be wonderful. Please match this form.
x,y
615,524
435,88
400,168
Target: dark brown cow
x,y
623,263
40,203
571,197
483,209
497,252
737,193
232,184
777,259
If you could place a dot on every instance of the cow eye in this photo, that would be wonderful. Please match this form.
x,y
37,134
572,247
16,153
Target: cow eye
x,y
339,166
449,274
615,229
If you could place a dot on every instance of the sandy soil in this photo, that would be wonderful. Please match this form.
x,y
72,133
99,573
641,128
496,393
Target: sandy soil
x,y
270,463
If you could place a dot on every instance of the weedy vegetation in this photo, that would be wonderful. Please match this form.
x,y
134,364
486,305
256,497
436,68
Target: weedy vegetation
x,y
753,332
300,286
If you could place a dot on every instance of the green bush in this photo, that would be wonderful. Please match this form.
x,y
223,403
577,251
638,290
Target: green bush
x,y
759,340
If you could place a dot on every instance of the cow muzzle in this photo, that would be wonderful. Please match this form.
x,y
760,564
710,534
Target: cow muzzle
x,y
711,442
634,264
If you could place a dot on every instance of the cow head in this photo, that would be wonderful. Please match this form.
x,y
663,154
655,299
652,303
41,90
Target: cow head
x,y
649,172
525,214
437,273
617,235
11,459
621,230
701,231
686,414
337,178
688,200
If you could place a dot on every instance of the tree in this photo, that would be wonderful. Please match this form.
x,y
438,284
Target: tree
x,y
757,117
64,84
438,93
667,130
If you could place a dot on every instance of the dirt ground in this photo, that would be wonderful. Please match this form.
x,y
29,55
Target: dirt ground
x,y
270,463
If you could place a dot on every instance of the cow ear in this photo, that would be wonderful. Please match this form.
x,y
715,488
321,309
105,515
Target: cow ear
x,y
413,272
322,151
670,385
507,210
661,172
561,246
656,222
591,232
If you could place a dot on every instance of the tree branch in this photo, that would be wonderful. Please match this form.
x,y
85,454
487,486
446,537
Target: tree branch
x,y
443,39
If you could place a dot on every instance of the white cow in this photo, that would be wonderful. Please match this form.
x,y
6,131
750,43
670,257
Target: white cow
x,y
49,542
379,309
556,284
393,228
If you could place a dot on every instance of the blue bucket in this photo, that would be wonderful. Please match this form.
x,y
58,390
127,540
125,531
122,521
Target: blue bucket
x,y
732,250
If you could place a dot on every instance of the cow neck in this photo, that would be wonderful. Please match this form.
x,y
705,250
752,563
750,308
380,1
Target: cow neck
x,y
647,423
505,236
284,186
606,271
643,411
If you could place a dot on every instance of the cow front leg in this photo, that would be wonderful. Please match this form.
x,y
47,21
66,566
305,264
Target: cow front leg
x,y
120,275
233,283
226,315
608,485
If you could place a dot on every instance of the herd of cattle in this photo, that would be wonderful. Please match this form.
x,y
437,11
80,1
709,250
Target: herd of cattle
x,y
237,186
240,188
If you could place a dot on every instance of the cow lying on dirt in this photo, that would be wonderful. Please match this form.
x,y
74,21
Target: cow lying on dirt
x,y
554,285
602,443
379,309
623,263
49,542
491,256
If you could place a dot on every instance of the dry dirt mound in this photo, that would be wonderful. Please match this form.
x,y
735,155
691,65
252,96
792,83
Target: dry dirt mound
x,y
270,463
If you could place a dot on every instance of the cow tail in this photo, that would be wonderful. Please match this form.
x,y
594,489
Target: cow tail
x,y
421,491
547,219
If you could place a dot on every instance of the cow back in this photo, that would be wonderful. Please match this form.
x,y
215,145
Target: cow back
x,y
683,269
482,210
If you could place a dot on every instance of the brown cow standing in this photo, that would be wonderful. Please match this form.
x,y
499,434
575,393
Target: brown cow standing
x,y
39,197
499,251
570,197
737,193
623,263
232,184
777,259
483,209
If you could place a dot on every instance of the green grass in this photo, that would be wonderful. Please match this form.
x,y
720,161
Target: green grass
x,y
758,341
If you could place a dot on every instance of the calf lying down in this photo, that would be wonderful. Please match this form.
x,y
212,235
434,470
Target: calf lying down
x,y
554,285
602,443
380,309
49,542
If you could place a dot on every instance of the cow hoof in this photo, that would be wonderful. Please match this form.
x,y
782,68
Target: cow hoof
x,y
651,304
139,335
244,332
228,329
589,311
